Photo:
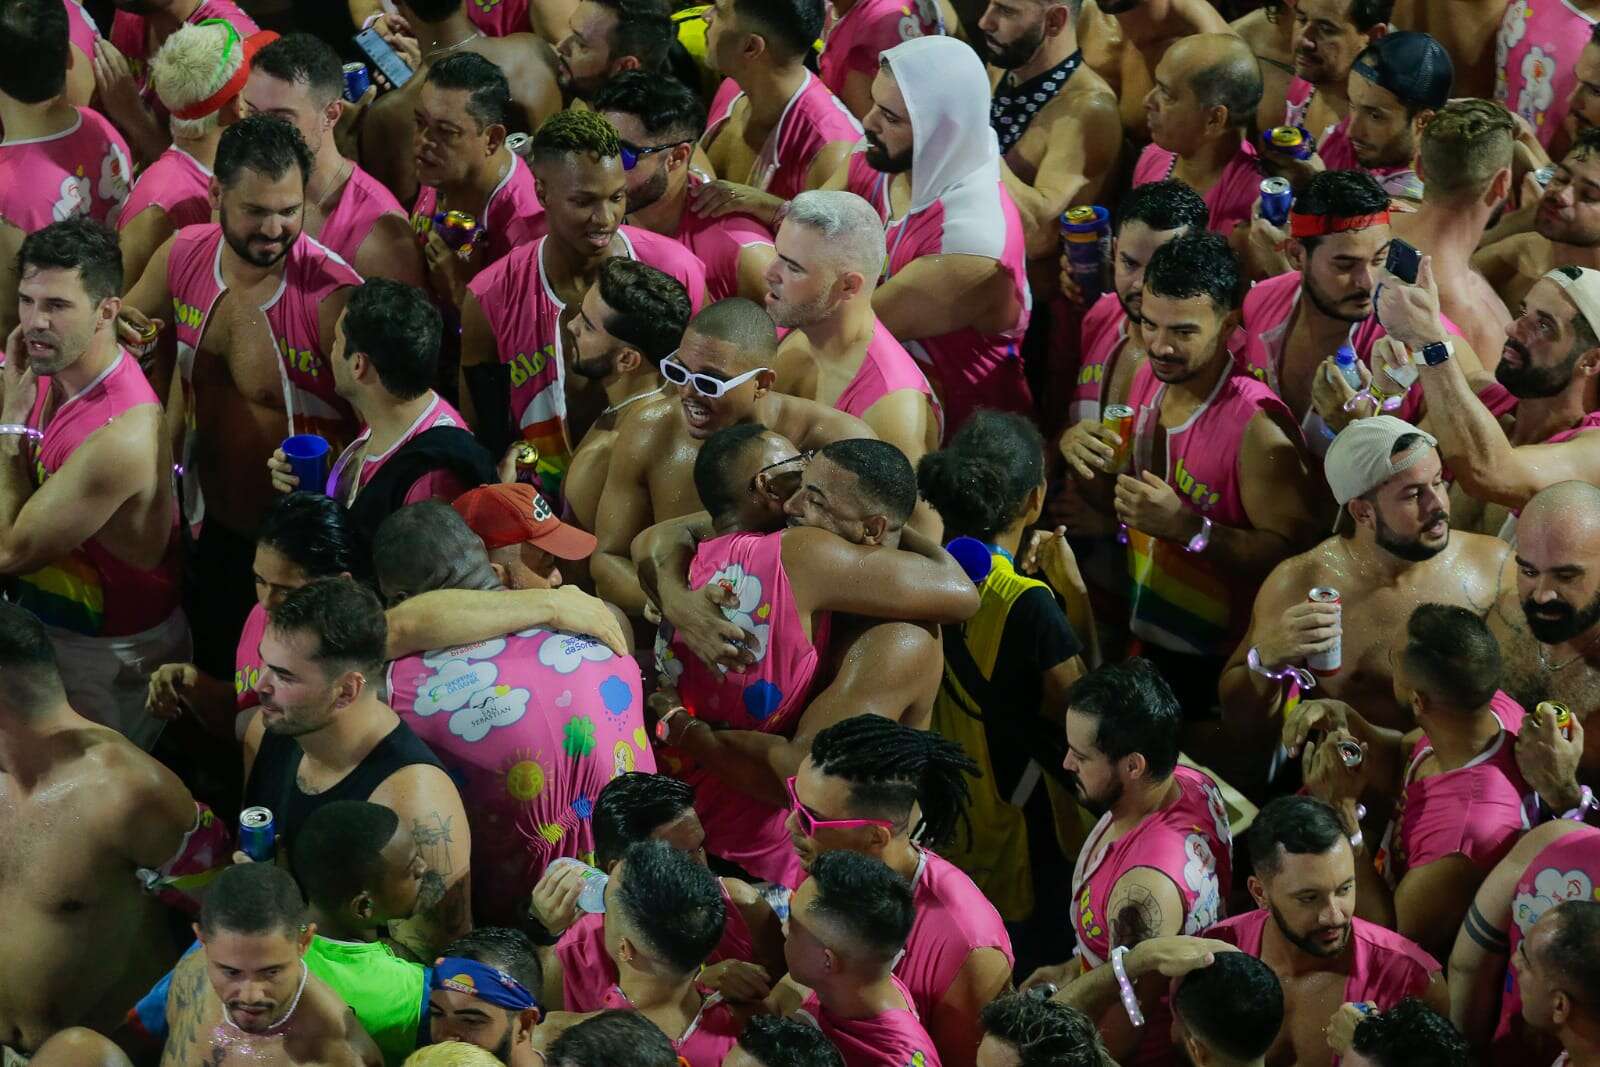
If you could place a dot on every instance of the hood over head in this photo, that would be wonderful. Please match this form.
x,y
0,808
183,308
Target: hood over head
x,y
946,90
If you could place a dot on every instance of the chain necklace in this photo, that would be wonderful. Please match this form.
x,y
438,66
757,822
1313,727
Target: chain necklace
x,y
277,1027
340,176
619,405
1544,659
442,49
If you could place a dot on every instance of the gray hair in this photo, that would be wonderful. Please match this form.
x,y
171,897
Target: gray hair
x,y
850,227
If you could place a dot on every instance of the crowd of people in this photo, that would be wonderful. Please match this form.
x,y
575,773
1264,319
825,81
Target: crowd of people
x,y
799,533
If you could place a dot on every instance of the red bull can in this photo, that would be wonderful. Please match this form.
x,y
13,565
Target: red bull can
x,y
1328,662
1276,199
1086,233
256,837
1562,713
1291,141
1118,418
458,228
356,81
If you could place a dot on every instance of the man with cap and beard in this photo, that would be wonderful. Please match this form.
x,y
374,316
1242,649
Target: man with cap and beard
x,y
1392,550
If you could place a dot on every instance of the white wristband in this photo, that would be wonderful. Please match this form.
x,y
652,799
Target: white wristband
x,y
1130,1002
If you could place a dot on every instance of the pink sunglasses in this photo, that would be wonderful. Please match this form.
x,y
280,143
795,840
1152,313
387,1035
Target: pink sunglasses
x,y
809,823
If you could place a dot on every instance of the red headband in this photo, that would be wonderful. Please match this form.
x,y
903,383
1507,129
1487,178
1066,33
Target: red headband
x,y
235,83
1321,225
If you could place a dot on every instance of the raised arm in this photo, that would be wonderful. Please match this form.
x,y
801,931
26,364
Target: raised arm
x,y
427,802
936,295
917,582
447,618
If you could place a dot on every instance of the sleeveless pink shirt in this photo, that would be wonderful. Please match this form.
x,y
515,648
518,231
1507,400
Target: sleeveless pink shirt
x,y
1105,328
178,184
362,202
531,726
895,1038
768,696
524,313
499,18
1231,201
1535,56
713,1032
83,170
513,217
343,484
1385,967
869,183
887,368
89,590
247,659
852,42
813,119
1566,869
1335,149
129,33
81,28
587,971
954,919
718,243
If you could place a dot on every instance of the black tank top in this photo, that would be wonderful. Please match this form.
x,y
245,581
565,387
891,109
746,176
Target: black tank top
x,y
272,777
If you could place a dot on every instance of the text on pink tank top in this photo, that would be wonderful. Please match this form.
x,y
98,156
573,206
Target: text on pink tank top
x,y
1105,328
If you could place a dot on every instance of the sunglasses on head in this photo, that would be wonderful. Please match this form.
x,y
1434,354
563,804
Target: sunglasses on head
x,y
810,824
704,384
798,461
632,153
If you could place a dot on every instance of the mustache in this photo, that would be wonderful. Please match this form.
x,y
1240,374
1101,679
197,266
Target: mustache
x,y
1519,348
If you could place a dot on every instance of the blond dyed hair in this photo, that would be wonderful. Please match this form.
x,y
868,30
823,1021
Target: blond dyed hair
x,y
452,1054
189,68
1463,146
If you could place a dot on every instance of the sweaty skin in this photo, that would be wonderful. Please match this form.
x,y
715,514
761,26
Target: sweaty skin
x,y
1124,49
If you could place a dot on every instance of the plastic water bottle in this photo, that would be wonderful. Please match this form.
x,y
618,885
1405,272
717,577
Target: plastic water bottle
x,y
1345,360
592,898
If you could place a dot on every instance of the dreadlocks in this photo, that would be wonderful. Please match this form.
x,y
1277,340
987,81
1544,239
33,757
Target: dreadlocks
x,y
890,767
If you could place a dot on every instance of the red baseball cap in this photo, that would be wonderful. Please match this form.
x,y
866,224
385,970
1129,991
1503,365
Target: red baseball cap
x,y
512,513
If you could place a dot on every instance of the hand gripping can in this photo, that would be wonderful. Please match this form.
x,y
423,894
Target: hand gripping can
x,y
1324,662
458,228
1291,141
1086,234
256,837
1118,418
1350,752
356,81
1276,199
1562,713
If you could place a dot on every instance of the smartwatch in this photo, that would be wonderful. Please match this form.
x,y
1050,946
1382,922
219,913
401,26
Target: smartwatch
x,y
1435,353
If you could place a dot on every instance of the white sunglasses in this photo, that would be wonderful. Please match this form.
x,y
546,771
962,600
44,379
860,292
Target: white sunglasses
x,y
704,384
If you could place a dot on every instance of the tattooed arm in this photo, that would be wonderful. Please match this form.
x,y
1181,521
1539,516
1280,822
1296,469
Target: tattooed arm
x,y
1143,905
427,801
187,998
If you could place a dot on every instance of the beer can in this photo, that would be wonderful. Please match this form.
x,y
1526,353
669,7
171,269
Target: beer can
x,y
1349,752
1324,662
458,228
1543,175
256,834
1562,713
1291,141
1276,198
1086,233
356,81
1118,418
520,144
528,463
149,332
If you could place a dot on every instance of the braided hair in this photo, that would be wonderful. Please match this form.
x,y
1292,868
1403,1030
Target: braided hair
x,y
891,766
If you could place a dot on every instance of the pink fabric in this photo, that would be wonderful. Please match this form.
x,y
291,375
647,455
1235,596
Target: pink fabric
x,y
868,183
1590,421
513,218
1535,55
887,368
1231,201
131,37
436,485
362,202
531,726
499,18
954,919
713,1032
1385,967
82,171
1566,869
1336,151
178,184
81,28
718,243
587,972
1476,810
852,42
813,119
90,590
895,1038
1105,328
247,659
768,696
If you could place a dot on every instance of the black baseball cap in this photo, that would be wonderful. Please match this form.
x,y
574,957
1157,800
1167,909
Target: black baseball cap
x,y
1412,66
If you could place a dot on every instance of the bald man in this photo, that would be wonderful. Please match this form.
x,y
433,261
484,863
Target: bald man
x,y
723,375
1125,39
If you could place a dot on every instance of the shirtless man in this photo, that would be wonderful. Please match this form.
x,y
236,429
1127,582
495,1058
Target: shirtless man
x,y
443,29
631,319
1566,227
1171,877
1269,31
247,992
723,376
1394,549
85,939
298,79
1125,39
245,378
1057,121
1305,928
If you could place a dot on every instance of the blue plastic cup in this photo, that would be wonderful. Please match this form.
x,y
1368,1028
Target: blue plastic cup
x,y
308,459
973,555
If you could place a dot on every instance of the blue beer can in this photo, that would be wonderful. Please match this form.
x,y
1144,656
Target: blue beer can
x,y
256,837
356,81
1276,199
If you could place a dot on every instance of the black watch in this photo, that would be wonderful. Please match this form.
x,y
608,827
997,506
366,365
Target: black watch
x,y
1437,352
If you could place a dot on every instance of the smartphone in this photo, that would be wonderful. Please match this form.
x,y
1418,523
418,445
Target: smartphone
x,y
1403,261
384,58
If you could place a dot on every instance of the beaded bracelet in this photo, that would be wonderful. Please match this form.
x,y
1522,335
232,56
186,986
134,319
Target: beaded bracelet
x,y
17,429
1302,677
1130,1002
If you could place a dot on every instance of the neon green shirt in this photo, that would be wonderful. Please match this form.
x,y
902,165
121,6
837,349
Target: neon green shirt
x,y
389,995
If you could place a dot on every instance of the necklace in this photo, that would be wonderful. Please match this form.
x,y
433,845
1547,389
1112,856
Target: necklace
x,y
442,49
281,1023
1544,659
339,177
619,405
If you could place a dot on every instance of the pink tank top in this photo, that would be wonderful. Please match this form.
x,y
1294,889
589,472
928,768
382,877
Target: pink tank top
x,y
1590,421
1385,967
718,243
436,485
130,35
247,659
713,1032
531,726
887,368
587,971
176,183
954,919
1477,810
1105,328
499,18
1535,56
83,170
1183,601
971,370
513,217
769,696
1566,869
895,1038
1231,201
81,28
524,314
363,201
813,119
869,183
852,42
89,590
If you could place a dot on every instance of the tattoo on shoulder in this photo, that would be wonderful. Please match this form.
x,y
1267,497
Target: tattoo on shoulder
x,y
433,837
185,1003
1136,918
